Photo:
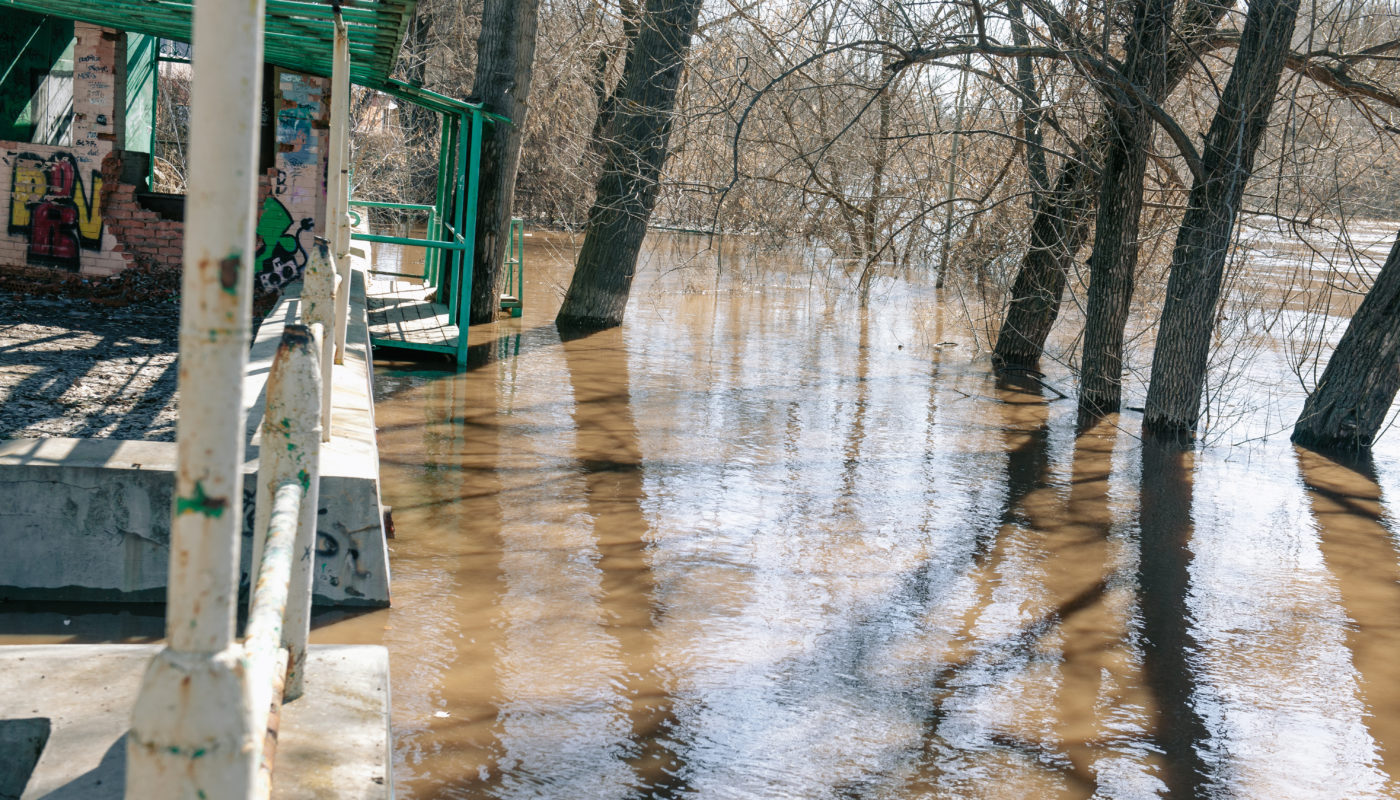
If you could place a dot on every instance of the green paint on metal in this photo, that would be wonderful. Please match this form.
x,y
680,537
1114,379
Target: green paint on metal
x,y
466,223
201,503
382,204
305,478
198,753
298,35
404,240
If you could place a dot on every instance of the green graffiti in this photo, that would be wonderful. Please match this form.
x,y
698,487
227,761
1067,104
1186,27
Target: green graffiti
x,y
201,503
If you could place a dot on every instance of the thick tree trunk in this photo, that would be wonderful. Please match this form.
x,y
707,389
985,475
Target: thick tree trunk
x,y
1060,222
505,57
1349,405
1198,261
638,140
1113,262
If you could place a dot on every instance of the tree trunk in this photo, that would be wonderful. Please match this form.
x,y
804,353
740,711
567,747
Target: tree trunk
x,y
1059,226
606,100
505,57
1349,405
638,140
420,124
1198,261
1060,223
1113,262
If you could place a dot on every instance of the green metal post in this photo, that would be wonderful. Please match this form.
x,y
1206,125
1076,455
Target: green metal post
x,y
155,118
466,224
455,163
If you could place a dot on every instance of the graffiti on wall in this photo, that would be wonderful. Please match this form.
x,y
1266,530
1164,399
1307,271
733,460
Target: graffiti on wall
x,y
281,254
50,205
301,101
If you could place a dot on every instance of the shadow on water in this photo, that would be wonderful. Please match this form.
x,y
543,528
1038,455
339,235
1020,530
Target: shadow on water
x,y
1164,585
1358,541
609,457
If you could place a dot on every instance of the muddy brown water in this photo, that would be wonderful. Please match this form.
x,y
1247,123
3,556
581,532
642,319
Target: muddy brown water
x,y
761,542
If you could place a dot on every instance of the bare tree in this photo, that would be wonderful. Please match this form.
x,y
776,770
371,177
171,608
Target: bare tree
x,y
638,137
1350,403
1203,241
1113,262
505,60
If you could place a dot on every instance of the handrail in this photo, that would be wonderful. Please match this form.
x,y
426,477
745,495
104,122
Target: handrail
x,y
513,300
319,284
288,498
385,204
375,237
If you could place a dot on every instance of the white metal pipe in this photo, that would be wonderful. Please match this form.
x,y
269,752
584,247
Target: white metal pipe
x,y
190,733
318,292
263,644
338,180
284,532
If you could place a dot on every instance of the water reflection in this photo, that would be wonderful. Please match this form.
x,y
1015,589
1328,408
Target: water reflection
x,y
765,543
1164,584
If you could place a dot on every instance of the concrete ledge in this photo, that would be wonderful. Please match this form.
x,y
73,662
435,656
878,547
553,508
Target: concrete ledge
x,y
333,742
89,519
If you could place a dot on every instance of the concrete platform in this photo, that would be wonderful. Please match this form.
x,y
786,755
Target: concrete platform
x,y
334,742
89,519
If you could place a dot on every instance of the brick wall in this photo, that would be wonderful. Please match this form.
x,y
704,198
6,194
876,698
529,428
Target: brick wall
x,y
69,210
52,199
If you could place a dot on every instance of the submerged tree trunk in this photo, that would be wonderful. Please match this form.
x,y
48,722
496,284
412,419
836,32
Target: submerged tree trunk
x,y
506,54
1113,262
1350,403
638,140
1198,261
1060,222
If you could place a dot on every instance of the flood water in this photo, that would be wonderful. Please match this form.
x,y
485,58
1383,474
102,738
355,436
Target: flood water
x,y
761,542
764,542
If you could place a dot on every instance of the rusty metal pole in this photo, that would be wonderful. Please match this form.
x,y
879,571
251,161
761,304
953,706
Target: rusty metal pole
x,y
191,732
338,182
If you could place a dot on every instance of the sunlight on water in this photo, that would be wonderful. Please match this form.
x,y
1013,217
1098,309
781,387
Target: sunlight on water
x,y
761,542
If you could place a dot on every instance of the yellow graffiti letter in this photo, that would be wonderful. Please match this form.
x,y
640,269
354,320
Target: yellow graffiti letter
x,y
89,209
28,185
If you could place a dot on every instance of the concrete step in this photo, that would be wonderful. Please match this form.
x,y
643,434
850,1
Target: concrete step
x,y
334,741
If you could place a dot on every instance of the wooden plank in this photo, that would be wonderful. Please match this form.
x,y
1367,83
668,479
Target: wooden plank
x,y
404,317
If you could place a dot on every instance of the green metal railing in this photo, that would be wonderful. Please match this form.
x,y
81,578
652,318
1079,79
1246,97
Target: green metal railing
x,y
513,299
450,233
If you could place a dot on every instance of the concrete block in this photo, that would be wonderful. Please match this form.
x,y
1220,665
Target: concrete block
x,y
89,519
334,741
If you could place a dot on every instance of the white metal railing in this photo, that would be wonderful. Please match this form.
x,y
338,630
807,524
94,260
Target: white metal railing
x,y
321,289
284,540
205,722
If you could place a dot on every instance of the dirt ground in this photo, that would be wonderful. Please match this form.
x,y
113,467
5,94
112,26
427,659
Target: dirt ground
x,y
72,367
